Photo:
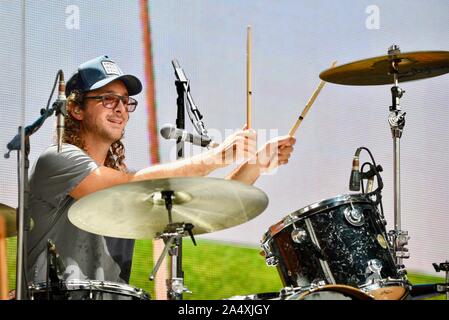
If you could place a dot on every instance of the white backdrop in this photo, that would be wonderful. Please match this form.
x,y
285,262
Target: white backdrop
x,y
293,41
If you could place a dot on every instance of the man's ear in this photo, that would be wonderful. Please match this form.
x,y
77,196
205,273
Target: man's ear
x,y
76,112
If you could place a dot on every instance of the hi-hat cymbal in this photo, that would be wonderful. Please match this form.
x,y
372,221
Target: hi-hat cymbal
x,y
377,71
9,216
137,211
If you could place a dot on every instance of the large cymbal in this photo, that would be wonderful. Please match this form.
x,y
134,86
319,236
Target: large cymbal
x,y
137,211
9,216
376,71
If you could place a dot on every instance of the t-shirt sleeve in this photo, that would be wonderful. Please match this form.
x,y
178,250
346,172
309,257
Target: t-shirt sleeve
x,y
57,174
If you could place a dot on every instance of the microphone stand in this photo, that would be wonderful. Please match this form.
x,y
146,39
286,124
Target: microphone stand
x,y
173,244
21,144
176,285
180,115
184,84
173,233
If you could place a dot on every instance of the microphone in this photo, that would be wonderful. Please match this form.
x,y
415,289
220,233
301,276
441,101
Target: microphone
x,y
169,131
60,112
370,185
354,180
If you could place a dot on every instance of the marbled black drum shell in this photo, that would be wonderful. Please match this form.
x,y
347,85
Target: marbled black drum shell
x,y
348,248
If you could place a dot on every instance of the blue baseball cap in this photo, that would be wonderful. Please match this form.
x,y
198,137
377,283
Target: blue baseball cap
x,y
97,73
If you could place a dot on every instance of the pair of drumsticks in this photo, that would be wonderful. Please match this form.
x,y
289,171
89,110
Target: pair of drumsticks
x,y
249,90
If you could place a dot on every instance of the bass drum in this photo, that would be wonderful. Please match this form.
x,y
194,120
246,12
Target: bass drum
x,y
330,292
86,290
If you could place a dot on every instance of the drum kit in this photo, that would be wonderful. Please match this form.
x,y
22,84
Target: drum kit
x,y
335,249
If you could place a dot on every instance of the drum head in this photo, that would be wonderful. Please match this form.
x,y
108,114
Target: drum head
x,y
390,293
331,292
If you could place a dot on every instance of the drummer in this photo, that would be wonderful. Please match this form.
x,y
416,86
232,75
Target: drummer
x,y
92,158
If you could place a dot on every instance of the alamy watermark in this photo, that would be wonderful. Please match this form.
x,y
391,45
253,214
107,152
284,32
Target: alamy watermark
x,y
72,20
261,148
372,21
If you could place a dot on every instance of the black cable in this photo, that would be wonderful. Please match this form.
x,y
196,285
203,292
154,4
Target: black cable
x,y
361,172
58,74
380,185
370,154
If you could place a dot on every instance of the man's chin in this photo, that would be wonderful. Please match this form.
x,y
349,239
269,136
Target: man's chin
x,y
112,137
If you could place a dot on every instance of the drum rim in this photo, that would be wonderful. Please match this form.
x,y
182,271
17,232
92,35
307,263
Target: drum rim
x,y
94,285
387,283
330,203
340,288
314,208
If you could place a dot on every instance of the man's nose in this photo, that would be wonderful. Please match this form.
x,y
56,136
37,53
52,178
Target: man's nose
x,y
120,107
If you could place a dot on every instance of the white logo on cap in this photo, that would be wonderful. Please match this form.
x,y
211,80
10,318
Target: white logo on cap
x,y
111,68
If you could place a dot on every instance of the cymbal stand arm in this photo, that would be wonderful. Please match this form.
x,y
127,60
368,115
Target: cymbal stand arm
x,y
172,236
168,244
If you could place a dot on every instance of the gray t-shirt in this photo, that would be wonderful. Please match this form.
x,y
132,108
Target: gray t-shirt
x,y
85,255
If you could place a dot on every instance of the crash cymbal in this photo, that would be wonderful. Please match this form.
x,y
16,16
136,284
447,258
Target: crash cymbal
x,y
377,71
9,215
137,211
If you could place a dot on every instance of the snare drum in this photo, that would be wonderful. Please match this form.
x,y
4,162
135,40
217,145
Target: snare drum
x,y
86,290
341,240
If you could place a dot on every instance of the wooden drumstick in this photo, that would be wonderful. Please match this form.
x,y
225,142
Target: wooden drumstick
x,y
248,79
308,105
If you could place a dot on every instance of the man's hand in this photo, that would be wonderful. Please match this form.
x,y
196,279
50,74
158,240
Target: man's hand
x,y
274,153
241,144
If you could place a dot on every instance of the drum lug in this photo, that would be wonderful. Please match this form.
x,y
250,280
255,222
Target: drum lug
x,y
354,216
177,287
298,235
400,240
271,261
373,271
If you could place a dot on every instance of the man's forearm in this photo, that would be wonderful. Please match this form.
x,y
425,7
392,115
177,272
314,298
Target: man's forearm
x,y
247,172
196,166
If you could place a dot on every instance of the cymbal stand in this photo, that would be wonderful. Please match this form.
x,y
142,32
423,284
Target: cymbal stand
x,y
396,120
172,236
443,267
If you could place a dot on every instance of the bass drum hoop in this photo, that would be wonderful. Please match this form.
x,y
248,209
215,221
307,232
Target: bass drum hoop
x,y
344,289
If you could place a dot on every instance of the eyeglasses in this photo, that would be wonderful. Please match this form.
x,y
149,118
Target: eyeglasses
x,y
111,101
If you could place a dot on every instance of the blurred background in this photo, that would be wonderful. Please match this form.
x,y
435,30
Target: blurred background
x,y
293,41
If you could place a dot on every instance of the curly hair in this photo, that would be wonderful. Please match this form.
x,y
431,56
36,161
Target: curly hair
x,y
116,153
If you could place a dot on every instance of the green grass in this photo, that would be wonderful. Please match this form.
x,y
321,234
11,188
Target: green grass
x,y
212,270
